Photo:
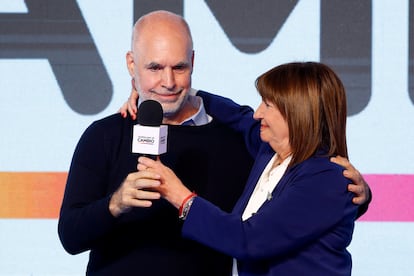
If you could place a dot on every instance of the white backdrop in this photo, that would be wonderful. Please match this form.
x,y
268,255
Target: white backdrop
x,y
380,137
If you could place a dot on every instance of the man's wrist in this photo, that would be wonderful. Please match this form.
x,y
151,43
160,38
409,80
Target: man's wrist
x,y
114,208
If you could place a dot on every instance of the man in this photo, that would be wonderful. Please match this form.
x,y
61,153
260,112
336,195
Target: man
x,y
103,209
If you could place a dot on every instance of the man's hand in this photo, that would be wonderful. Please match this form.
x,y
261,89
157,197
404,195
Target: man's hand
x,y
137,190
359,186
172,189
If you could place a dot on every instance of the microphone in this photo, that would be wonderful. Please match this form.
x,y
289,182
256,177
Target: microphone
x,y
149,136
150,113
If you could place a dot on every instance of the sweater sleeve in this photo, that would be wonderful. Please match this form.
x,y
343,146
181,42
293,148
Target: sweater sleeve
x,y
84,215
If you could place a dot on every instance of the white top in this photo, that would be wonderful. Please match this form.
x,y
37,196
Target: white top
x,y
265,186
270,177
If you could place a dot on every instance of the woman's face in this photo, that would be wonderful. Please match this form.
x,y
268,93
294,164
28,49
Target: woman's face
x,y
273,127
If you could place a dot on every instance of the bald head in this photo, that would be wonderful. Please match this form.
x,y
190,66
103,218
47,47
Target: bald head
x,y
159,23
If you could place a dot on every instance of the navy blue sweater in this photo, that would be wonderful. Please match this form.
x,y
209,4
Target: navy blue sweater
x,y
211,160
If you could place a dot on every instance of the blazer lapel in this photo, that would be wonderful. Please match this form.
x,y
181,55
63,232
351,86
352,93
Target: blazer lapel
x,y
262,159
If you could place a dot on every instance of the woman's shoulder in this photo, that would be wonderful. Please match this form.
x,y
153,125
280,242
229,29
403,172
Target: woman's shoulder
x,y
319,164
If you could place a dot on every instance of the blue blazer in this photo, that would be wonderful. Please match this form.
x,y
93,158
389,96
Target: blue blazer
x,y
304,229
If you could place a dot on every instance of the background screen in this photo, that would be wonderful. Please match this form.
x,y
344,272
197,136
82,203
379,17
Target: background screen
x,y
62,66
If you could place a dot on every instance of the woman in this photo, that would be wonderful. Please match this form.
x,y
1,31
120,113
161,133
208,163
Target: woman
x,y
295,216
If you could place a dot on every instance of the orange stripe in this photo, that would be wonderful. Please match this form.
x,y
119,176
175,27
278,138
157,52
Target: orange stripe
x,y
39,195
31,194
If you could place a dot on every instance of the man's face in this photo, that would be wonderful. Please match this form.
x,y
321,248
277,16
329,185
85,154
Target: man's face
x,y
161,65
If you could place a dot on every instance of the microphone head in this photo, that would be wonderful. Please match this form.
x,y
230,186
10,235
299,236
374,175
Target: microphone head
x,y
150,113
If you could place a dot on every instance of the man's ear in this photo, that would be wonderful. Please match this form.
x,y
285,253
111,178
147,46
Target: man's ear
x,y
130,63
192,61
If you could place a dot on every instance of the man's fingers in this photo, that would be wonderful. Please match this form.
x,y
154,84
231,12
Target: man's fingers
x,y
146,195
140,197
359,197
147,183
355,189
142,175
344,162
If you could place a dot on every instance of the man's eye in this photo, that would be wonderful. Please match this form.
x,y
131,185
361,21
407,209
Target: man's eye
x,y
180,67
154,68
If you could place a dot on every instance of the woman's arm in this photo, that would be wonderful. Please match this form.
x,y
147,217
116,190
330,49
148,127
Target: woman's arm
x,y
310,209
237,117
308,204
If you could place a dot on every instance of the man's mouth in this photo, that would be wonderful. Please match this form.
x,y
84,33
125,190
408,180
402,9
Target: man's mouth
x,y
167,96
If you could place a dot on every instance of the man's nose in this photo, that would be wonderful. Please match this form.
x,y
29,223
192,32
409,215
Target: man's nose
x,y
168,80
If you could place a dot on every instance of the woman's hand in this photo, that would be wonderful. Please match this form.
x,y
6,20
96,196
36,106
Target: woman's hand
x,y
171,188
130,105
